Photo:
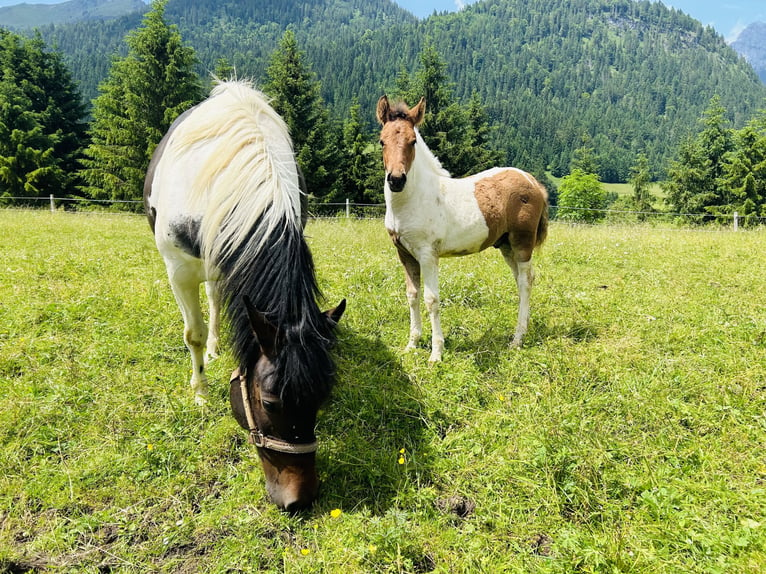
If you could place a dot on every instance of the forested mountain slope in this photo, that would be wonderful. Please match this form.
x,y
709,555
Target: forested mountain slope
x,y
634,76
29,15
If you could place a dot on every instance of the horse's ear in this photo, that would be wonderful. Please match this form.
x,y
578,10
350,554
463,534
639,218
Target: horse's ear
x,y
383,108
418,112
265,333
336,313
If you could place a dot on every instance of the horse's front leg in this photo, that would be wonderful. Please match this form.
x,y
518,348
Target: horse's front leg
x,y
429,267
412,281
186,290
214,306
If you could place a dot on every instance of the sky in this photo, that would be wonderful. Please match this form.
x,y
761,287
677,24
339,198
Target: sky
x,y
728,17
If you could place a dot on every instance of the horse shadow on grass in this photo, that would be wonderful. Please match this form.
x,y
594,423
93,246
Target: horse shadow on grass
x,y
494,342
372,430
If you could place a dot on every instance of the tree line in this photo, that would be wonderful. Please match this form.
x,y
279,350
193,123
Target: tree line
x,y
47,147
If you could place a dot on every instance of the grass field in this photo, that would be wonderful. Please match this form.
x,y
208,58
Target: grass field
x,y
627,435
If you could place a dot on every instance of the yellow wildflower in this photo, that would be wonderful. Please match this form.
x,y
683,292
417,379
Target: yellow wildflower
x,y
335,512
150,446
305,551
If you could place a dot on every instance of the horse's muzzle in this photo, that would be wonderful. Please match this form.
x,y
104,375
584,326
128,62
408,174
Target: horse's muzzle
x,y
396,183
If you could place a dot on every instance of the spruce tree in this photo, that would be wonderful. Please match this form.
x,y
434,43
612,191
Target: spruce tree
x,y
640,178
296,97
697,182
361,174
144,92
42,127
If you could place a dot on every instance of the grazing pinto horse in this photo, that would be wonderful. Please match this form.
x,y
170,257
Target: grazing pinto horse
x,y
431,215
223,199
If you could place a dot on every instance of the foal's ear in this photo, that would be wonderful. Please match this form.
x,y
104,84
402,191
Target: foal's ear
x,y
265,333
418,112
383,108
336,313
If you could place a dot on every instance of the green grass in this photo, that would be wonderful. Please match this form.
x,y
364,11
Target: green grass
x,y
626,436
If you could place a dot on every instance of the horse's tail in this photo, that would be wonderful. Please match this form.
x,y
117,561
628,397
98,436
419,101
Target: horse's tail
x,y
542,223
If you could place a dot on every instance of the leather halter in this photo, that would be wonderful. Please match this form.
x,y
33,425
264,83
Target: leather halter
x,y
265,441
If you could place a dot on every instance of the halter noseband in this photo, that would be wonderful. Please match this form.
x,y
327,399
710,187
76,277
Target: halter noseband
x,y
265,441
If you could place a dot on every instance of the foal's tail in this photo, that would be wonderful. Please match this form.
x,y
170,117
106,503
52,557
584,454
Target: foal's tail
x,y
542,224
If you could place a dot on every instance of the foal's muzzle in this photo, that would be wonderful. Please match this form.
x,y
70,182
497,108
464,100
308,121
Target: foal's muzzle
x,y
396,182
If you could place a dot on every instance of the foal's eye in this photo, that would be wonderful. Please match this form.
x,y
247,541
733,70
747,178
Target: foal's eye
x,y
412,143
381,143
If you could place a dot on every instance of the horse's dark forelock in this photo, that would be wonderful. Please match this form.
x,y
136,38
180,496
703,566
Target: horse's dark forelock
x,y
280,281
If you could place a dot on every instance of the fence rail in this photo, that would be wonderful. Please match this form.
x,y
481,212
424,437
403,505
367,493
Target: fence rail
x,y
351,209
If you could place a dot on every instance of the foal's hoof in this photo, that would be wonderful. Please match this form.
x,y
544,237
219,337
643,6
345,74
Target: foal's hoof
x,y
515,344
200,400
435,358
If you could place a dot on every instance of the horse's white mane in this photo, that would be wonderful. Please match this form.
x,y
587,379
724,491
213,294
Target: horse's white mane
x,y
249,170
423,152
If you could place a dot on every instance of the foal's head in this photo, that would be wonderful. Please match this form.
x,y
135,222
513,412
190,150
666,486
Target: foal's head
x,y
279,416
397,137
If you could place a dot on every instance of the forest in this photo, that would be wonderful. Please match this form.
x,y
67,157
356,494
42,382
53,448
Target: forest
x,y
632,76
537,81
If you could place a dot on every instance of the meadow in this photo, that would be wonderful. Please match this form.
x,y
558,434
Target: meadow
x,y
627,435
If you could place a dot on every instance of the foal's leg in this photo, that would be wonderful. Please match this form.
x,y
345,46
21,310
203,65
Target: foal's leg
x,y
522,272
214,302
412,281
185,287
430,269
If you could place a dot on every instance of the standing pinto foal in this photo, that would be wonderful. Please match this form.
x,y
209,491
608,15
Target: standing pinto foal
x,y
431,215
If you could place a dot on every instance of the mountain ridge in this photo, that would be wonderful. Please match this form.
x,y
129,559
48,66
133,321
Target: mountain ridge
x,y
632,77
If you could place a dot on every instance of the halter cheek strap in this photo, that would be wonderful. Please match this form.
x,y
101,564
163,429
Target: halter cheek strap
x,y
265,441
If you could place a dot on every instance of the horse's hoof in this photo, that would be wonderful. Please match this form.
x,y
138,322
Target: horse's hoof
x,y
435,358
200,400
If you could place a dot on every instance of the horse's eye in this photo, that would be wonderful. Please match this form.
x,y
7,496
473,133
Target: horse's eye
x,y
412,143
272,407
381,143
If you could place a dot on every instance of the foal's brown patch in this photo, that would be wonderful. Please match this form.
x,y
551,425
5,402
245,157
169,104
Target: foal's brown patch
x,y
512,202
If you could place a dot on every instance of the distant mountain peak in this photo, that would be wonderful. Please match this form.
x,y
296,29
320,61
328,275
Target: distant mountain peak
x,y
751,43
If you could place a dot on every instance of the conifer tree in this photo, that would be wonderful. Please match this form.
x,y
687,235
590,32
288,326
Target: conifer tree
x,y
144,92
42,127
640,178
296,97
361,174
696,181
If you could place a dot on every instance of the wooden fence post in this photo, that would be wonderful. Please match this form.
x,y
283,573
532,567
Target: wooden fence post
x,y
53,204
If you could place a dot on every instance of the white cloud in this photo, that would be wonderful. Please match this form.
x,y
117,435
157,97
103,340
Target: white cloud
x,y
459,4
